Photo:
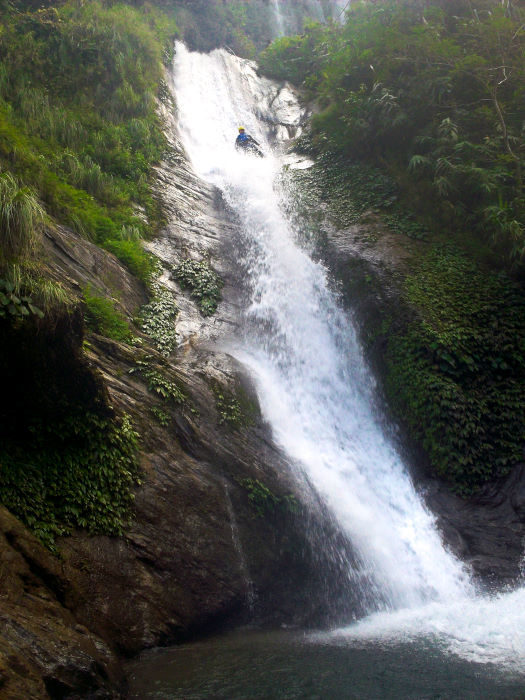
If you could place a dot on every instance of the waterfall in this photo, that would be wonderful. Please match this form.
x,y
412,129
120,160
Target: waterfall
x,y
316,10
279,20
313,384
290,22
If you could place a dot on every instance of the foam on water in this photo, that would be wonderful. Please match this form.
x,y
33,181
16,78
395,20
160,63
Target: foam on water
x,y
481,630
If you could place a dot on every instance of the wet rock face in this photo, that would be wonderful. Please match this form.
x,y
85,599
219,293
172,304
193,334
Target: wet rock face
x,y
486,530
277,104
44,651
517,496
198,555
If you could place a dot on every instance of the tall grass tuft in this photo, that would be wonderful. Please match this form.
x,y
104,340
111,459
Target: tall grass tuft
x,y
29,279
21,219
51,296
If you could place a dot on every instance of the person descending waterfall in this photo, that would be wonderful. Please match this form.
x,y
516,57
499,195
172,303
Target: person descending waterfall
x,y
245,142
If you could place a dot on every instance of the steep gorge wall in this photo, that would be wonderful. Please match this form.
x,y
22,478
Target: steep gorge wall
x,y
218,534
198,554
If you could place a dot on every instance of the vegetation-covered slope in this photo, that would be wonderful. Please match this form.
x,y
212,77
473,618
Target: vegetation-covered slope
x,y
78,122
434,91
79,134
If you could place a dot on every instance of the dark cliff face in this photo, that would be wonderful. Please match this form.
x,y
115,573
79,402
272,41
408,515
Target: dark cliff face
x,y
44,650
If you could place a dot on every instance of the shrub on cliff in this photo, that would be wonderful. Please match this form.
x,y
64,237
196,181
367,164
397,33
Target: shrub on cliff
x,y
77,473
102,317
204,283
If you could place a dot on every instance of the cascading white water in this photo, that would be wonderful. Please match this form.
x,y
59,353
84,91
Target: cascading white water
x,y
301,348
279,20
291,20
339,7
314,387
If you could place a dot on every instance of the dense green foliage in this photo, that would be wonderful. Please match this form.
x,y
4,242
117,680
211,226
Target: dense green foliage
x,y
77,473
457,372
78,125
157,319
102,317
433,91
204,283
66,461
12,305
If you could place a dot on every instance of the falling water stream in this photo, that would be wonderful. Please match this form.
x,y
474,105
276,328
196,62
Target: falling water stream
x,y
318,395
279,19
289,19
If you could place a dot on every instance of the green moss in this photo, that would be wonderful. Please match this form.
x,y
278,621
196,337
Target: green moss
x,y
76,473
103,318
457,370
139,262
351,189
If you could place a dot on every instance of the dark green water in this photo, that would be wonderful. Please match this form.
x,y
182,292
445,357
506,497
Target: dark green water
x,y
274,665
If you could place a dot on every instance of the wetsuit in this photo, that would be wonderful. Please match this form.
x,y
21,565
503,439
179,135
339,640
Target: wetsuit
x,y
243,140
